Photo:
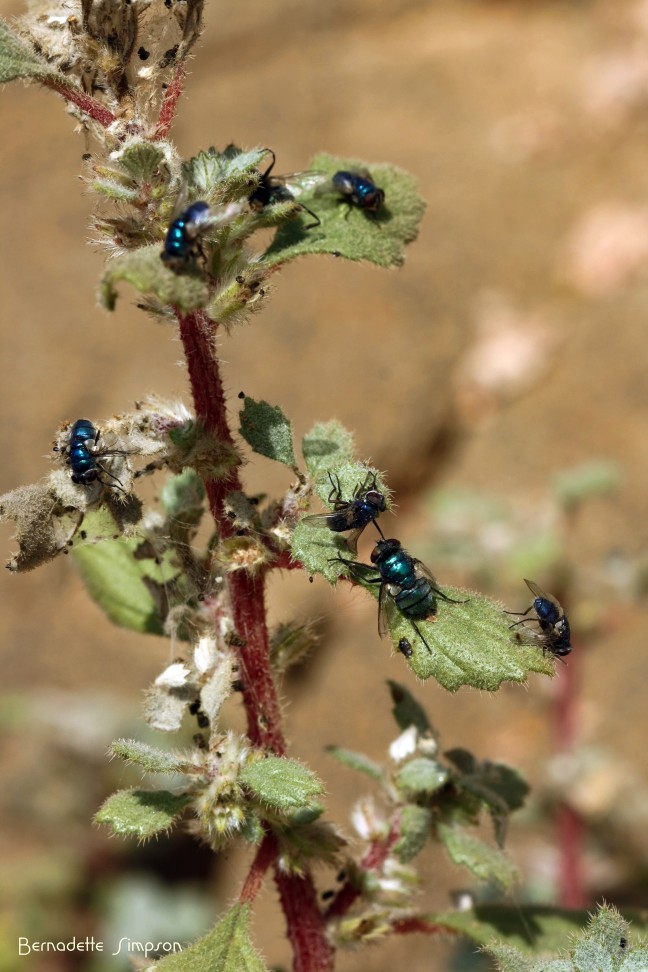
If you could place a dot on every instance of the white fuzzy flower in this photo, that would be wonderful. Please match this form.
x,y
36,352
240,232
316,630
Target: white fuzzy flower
x,y
405,745
205,654
175,676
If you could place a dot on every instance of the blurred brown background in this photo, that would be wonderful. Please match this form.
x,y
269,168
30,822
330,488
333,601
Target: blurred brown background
x,y
510,348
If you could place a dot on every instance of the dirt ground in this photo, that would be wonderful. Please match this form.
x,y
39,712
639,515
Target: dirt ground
x,y
509,348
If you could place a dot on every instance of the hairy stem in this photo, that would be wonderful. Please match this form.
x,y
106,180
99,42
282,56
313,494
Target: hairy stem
x,y
264,858
170,102
89,106
312,952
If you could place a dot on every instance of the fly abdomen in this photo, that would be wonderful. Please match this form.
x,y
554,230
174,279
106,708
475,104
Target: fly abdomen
x,y
417,601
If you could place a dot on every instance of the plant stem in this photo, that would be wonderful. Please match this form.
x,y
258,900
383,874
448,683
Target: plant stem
x,y
264,858
312,952
89,106
170,102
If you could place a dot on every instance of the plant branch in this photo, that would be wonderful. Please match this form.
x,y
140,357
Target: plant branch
x,y
373,860
312,952
89,106
170,102
264,858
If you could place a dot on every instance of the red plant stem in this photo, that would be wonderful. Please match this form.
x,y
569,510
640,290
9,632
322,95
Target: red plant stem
x,y
264,858
170,102
570,826
312,952
405,926
90,106
373,860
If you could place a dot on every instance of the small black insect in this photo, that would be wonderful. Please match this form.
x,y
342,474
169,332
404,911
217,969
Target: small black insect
x,y
366,504
554,634
405,647
274,189
623,943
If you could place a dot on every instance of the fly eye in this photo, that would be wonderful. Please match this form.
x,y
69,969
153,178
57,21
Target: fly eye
x,y
375,498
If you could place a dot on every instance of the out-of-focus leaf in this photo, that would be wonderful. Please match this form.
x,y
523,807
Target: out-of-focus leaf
x,y
422,775
485,862
406,710
18,60
326,445
356,761
145,271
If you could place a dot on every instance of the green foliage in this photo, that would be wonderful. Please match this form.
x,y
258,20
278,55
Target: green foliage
x,y
498,787
422,775
144,269
485,862
317,547
352,233
527,928
414,831
226,948
326,446
356,761
223,176
267,431
281,783
131,590
18,60
182,496
150,758
143,161
604,946
141,813
406,710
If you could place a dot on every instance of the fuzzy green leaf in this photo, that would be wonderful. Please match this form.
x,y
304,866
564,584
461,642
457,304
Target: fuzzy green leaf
x,y
128,589
183,495
145,271
353,233
281,783
510,960
356,761
512,936
144,162
485,862
422,775
115,190
18,60
414,830
469,643
226,948
317,547
267,431
153,760
531,928
141,813
226,175
325,446
406,710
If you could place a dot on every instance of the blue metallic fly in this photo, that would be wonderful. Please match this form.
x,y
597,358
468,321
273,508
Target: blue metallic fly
x,y
406,585
554,634
358,189
83,456
274,189
182,242
366,504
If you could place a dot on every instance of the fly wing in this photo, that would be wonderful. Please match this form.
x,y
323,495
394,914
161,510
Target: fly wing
x,y
300,182
537,591
318,520
422,571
